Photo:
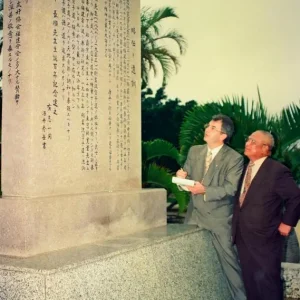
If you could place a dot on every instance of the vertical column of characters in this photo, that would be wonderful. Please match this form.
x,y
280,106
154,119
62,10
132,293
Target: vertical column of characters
x,y
131,83
82,85
77,59
108,56
52,107
95,78
120,29
73,56
116,62
87,83
55,60
79,81
92,40
64,76
68,66
91,85
124,81
10,49
18,47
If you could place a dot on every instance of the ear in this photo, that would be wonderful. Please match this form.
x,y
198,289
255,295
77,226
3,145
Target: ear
x,y
223,136
266,150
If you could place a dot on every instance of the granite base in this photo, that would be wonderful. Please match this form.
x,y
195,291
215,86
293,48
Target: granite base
x,y
30,226
165,263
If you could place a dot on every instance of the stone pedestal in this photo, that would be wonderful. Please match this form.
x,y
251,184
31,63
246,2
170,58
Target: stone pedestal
x,y
32,226
71,132
169,262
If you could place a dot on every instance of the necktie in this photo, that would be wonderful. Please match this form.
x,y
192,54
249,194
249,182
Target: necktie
x,y
208,160
247,183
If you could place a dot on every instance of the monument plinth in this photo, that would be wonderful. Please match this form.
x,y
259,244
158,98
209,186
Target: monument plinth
x,y
71,132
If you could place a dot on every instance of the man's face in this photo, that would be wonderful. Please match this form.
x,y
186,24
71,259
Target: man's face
x,y
213,134
257,146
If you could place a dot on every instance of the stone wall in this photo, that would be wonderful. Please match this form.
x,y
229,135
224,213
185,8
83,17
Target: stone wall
x,y
291,276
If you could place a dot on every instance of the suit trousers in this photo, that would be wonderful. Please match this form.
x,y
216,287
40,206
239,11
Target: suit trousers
x,y
261,268
226,253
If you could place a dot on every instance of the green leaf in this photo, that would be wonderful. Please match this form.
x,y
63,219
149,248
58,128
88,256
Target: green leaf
x,y
160,177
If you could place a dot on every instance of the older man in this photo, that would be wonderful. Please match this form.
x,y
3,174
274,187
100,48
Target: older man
x,y
216,168
259,222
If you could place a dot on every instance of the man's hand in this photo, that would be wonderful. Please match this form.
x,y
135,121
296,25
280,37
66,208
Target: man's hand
x,y
198,188
181,173
284,229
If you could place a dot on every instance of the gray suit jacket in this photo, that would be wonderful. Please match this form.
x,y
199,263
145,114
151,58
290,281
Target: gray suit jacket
x,y
221,182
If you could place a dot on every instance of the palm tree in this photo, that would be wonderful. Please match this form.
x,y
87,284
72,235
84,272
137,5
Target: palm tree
x,y
155,53
157,176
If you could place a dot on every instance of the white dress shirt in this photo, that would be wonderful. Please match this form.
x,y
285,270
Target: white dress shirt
x,y
214,151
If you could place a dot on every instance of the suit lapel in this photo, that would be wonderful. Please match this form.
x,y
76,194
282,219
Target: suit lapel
x,y
214,166
201,155
259,179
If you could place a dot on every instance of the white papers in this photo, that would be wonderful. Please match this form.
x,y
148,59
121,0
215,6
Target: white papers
x,y
183,183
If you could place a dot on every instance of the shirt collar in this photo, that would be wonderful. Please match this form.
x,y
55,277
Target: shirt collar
x,y
257,163
215,150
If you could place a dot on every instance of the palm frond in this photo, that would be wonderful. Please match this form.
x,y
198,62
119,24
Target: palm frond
x,y
289,125
155,54
151,18
158,148
176,37
160,177
247,116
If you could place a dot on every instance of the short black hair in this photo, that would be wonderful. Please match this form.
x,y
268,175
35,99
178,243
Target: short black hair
x,y
227,125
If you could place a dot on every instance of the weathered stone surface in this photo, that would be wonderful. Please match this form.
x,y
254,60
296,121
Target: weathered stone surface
x,y
71,133
169,262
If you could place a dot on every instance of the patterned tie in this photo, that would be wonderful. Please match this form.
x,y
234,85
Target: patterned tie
x,y
247,183
208,160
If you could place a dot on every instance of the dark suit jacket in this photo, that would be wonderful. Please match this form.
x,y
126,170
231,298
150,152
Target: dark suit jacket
x,y
261,213
221,182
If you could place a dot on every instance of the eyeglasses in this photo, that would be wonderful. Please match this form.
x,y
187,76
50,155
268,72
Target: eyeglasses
x,y
213,128
254,142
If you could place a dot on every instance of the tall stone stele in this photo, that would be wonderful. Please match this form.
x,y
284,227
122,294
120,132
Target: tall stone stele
x,y
71,132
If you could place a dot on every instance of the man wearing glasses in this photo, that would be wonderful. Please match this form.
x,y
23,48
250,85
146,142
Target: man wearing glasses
x,y
216,169
259,222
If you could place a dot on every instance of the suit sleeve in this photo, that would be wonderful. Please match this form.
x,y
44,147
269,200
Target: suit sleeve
x,y
231,181
188,165
288,190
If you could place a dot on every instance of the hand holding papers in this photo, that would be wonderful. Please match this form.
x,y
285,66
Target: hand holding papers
x,y
183,183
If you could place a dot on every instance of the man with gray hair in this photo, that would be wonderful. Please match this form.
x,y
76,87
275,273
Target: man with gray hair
x,y
216,169
259,222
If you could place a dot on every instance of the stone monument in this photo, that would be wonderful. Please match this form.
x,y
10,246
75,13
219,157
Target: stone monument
x,y
71,133
71,165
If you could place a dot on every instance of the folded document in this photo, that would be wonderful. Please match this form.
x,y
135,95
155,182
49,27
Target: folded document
x,y
183,182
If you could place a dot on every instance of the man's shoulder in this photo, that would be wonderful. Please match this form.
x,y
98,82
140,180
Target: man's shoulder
x,y
232,153
196,150
198,147
273,164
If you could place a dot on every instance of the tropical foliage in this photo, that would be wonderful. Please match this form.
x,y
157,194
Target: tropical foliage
x,y
155,54
248,117
162,117
157,176
161,158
